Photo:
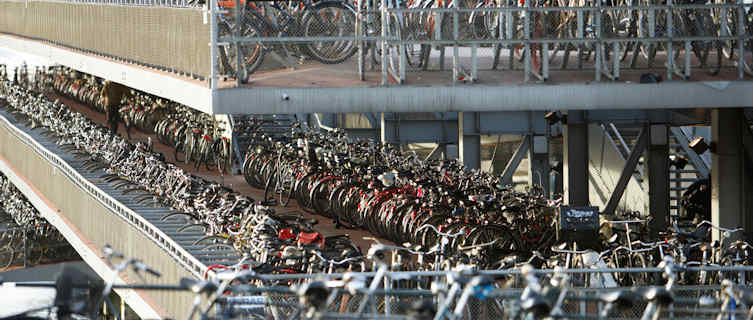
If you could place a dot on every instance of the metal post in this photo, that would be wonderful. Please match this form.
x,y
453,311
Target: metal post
x,y
361,44
527,37
579,18
687,59
455,37
658,177
616,60
469,139
213,43
240,73
599,45
727,165
545,61
670,34
575,157
474,62
385,21
26,248
403,62
510,36
741,42
651,32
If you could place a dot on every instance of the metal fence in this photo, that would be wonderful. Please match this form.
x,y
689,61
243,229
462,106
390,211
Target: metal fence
x,y
151,35
400,42
402,289
604,37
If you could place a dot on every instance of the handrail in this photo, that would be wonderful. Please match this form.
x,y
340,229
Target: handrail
x,y
186,259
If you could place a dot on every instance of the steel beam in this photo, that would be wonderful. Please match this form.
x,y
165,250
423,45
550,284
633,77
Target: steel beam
x,y
695,159
469,139
514,162
727,173
478,97
399,131
627,172
575,156
658,177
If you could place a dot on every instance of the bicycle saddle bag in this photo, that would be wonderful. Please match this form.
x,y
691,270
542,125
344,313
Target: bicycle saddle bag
x,y
311,238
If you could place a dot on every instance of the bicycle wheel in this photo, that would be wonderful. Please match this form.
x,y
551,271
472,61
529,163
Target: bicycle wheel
x,y
330,19
252,54
269,188
286,183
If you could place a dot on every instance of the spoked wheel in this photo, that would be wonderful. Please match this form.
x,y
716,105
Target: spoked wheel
x,y
330,19
252,54
286,184
7,255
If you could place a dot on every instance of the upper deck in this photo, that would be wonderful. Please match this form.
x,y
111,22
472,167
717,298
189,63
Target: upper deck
x,y
454,58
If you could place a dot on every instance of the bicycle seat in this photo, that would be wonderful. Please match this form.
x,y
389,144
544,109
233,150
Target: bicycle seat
x,y
198,287
536,305
659,295
623,299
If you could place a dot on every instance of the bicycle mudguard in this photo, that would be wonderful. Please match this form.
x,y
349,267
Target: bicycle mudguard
x,y
327,3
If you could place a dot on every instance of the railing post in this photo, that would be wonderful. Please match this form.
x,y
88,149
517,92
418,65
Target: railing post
x,y
359,35
26,247
687,59
385,21
213,43
597,31
616,60
240,73
579,34
455,38
670,34
527,38
509,35
741,37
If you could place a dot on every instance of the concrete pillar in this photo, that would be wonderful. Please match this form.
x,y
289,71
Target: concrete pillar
x,y
658,177
469,139
538,154
575,158
727,173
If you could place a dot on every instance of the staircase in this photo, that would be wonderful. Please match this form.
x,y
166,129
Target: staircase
x,y
277,124
624,138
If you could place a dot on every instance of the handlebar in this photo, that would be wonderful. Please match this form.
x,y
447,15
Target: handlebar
x,y
319,255
480,245
624,221
706,222
450,235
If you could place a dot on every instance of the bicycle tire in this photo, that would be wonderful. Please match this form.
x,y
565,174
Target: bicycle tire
x,y
313,27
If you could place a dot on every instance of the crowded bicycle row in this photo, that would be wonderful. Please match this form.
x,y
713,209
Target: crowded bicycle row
x,y
439,214
415,23
23,228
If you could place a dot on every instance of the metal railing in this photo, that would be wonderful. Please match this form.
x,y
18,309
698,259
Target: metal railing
x,y
394,296
605,39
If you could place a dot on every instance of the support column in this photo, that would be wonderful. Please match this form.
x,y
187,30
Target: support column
x,y
539,159
470,139
727,173
658,177
575,158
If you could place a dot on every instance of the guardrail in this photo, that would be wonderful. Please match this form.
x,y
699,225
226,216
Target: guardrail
x,y
181,256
